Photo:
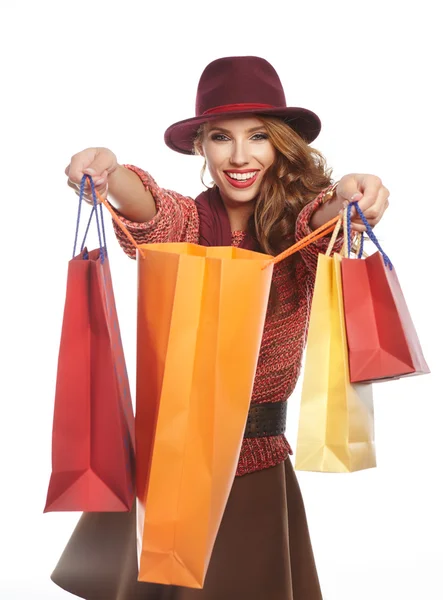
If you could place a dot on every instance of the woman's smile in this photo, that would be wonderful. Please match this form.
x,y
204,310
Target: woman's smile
x,y
241,178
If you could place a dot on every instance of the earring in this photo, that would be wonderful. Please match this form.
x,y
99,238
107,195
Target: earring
x,y
202,175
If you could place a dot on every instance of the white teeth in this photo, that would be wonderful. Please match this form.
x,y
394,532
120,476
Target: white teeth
x,y
242,176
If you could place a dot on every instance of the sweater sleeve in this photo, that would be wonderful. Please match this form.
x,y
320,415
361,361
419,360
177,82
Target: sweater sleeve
x,y
176,219
310,253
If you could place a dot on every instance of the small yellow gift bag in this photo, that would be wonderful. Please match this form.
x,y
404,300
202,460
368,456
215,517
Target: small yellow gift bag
x,y
336,422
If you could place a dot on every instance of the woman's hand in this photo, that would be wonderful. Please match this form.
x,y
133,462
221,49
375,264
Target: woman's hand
x,y
370,193
99,163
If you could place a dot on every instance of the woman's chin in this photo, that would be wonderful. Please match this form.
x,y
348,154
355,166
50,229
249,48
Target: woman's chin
x,y
232,194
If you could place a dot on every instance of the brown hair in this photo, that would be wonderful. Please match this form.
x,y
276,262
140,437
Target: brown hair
x,y
298,174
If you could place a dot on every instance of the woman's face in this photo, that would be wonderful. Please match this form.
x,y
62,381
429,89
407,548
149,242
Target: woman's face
x,y
238,153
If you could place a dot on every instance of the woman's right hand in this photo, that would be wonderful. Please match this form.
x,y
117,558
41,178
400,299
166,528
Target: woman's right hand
x,y
99,163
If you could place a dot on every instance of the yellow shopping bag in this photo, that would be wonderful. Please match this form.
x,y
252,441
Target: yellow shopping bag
x,y
336,423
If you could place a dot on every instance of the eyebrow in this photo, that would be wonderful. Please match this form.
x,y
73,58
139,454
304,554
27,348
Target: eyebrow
x,y
262,127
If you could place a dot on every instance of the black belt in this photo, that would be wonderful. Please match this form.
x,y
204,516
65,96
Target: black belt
x,y
266,419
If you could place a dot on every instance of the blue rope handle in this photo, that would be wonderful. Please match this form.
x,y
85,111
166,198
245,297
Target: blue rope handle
x,y
82,245
348,225
103,249
101,230
370,233
82,192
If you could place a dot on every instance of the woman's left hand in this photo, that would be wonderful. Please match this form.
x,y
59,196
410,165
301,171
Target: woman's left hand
x,y
370,193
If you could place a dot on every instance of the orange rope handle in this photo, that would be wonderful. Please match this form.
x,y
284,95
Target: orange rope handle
x,y
306,241
119,223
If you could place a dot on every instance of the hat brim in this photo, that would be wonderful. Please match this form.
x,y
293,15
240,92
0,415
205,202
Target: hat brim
x,y
180,136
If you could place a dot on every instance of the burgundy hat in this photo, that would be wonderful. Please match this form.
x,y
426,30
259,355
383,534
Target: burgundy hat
x,y
240,85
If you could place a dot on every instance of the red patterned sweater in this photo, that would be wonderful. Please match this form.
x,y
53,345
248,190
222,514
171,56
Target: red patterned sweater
x,y
285,329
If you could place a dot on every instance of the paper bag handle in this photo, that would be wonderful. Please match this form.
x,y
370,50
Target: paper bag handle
x,y
98,198
101,229
333,226
369,231
312,237
326,228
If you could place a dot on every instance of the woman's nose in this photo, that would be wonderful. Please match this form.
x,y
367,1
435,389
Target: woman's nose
x,y
239,154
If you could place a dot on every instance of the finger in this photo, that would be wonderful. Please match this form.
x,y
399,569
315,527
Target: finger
x,y
371,186
363,189
348,188
358,224
79,163
357,188
358,227
98,179
85,198
375,212
72,185
101,190
92,162
98,167
372,223
377,209
76,189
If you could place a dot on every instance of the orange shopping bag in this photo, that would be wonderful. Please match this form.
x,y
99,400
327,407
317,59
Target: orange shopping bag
x,y
201,313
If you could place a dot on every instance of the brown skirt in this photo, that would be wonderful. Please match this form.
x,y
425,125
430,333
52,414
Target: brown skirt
x,y
262,552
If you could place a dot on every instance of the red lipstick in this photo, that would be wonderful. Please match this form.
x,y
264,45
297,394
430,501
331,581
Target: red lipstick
x,y
241,184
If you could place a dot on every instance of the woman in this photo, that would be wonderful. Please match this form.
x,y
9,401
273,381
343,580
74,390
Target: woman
x,y
270,187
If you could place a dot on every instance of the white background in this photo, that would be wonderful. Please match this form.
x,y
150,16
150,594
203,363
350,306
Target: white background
x,y
89,73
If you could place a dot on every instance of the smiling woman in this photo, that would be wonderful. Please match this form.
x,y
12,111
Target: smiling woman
x,y
238,153
277,172
269,187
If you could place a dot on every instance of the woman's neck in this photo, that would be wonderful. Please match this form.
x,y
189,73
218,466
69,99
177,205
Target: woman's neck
x,y
239,213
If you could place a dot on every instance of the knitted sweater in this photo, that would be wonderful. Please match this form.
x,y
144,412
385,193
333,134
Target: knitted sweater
x,y
285,329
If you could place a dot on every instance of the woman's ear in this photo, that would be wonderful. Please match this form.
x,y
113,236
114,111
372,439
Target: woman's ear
x,y
198,141
198,148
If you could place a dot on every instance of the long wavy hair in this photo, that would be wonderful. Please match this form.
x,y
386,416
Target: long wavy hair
x,y
298,174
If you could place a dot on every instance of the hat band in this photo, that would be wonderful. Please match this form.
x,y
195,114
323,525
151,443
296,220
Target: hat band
x,y
235,107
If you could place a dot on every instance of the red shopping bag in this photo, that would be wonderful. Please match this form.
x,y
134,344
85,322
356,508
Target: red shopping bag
x,y
382,340
93,428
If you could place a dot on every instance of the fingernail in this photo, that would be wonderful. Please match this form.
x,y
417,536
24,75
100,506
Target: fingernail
x,y
90,171
356,196
99,181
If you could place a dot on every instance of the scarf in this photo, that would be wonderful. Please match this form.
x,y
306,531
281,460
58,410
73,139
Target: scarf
x,y
215,229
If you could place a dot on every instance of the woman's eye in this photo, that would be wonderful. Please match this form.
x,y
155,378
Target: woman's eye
x,y
259,136
219,137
